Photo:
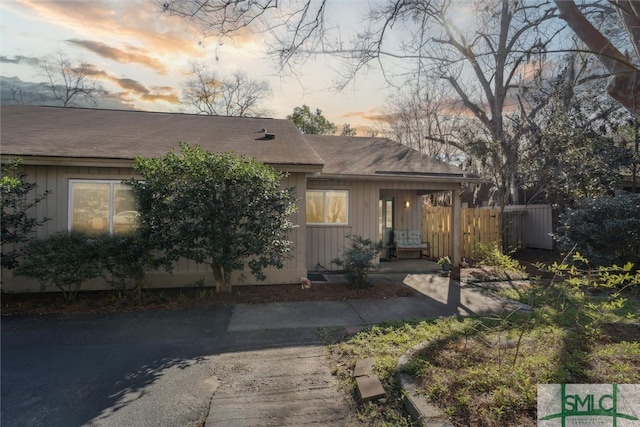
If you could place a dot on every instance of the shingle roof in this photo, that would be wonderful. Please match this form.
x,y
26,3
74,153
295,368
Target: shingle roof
x,y
113,134
30,131
347,155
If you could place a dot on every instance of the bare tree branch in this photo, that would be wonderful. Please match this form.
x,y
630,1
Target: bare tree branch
x,y
624,85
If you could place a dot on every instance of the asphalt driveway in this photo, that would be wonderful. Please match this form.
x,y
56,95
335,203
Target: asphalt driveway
x,y
242,365
137,369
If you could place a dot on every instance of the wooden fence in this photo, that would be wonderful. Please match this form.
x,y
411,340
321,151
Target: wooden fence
x,y
528,226
478,225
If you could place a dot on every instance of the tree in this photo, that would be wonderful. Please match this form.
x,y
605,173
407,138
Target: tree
x,y
347,130
489,62
67,82
311,123
234,95
421,118
215,208
624,84
17,222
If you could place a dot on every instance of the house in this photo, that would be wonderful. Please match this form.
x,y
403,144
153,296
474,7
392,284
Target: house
x,y
345,185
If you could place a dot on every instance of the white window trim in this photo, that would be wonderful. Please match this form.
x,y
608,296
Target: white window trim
x,y
324,210
112,183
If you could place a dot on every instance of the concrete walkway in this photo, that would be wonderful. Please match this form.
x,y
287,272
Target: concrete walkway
x,y
294,386
436,296
290,386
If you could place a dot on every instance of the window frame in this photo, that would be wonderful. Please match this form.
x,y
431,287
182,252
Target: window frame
x,y
112,200
324,206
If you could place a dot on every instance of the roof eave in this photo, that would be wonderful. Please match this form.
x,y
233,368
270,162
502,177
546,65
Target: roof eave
x,y
128,162
404,177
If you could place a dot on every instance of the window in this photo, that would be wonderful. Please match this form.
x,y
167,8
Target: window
x,y
101,206
327,206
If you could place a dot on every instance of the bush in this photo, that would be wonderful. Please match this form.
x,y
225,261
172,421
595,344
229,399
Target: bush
x,y
18,200
358,260
64,260
605,230
492,255
125,261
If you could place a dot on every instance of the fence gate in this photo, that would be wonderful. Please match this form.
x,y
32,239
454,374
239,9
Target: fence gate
x,y
478,225
528,226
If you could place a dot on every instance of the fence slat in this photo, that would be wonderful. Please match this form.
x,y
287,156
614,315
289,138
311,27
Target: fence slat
x,y
478,225
484,225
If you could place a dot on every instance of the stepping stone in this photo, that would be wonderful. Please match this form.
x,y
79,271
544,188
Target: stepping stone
x,y
363,367
370,388
369,385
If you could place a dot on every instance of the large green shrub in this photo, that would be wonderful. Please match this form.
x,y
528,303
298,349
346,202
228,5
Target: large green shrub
x,y
605,230
65,260
125,261
359,260
220,209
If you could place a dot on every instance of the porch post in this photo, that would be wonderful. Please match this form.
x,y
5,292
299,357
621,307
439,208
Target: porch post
x,y
456,226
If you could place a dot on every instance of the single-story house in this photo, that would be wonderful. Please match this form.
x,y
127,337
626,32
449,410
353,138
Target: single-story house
x,y
345,185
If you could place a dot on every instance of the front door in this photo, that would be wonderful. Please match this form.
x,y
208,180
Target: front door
x,y
385,220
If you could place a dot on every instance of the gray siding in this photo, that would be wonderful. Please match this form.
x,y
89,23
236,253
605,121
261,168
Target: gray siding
x,y
56,207
325,242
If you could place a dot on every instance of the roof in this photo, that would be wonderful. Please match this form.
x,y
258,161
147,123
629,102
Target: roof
x,y
349,155
103,137
120,134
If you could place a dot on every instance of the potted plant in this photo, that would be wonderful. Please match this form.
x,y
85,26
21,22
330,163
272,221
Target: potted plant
x,y
445,262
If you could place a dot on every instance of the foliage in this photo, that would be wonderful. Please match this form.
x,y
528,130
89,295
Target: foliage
x,y
347,130
359,260
491,255
235,95
578,148
216,208
445,260
65,260
311,123
605,230
16,222
485,370
125,261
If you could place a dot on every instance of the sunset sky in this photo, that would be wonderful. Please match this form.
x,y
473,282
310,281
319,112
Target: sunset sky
x,y
142,57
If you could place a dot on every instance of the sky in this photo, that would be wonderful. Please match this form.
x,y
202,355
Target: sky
x,y
142,57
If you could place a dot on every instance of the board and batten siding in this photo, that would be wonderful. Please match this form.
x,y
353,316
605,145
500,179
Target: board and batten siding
x,y
56,208
326,242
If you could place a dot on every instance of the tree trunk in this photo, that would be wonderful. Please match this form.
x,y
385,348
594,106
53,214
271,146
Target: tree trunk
x,y
221,279
624,85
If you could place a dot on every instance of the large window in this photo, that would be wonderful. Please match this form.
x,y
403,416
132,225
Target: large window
x,y
101,206
327,206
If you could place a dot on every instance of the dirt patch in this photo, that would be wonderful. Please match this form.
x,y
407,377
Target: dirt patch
x,y
111,301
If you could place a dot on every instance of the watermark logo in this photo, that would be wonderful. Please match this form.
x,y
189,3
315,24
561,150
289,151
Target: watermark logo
x,y
615,405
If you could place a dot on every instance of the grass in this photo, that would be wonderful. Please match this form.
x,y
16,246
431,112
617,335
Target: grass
x,y
484,371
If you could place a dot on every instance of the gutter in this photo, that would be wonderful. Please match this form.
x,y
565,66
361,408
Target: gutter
x,y
403,177
104,162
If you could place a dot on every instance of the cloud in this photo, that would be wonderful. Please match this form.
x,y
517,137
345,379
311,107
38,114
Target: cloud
x,y
372,115
133,88
125,56
127,23
19,59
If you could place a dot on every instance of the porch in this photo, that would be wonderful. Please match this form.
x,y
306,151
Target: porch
x,y
409,266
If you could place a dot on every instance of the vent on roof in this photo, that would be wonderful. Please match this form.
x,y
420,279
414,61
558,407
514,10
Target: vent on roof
x,y
269,135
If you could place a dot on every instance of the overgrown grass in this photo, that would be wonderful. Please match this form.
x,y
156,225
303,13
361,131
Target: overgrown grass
x,y
484,371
